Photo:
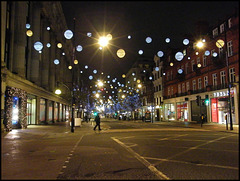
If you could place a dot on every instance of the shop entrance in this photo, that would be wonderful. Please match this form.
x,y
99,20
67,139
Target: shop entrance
x,y
197,111
31,111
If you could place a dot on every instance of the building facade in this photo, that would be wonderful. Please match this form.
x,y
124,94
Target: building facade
x,y
200,83
30,32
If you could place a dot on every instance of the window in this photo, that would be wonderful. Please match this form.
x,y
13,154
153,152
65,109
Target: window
x,y
222,28
198,60
232,74
204,61
186,68
193,63
168,91
215,32
172,90
194,85
223,77
230,48
187,86
168,76
199,83
159,88
205,81
229,23
183,87
179,88
214,77
171,76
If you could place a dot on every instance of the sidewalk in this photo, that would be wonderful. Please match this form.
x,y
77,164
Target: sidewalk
x,y
206,126
39,151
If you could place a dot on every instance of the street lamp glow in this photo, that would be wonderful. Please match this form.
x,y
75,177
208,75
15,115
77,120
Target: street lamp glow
x,y
58,91
100,83
103,41
75,62
199,44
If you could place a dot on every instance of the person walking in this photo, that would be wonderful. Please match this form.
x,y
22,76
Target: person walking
x,y
97,120
202,119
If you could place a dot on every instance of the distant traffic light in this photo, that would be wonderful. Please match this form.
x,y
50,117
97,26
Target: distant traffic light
x,y
206,101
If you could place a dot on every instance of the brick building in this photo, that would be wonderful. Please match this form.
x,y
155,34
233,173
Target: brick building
x,y
206,73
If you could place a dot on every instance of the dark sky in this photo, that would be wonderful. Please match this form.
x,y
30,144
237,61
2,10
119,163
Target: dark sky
x,y
157,19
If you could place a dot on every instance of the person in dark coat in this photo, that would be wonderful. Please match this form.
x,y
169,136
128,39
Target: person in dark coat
x,y
97,120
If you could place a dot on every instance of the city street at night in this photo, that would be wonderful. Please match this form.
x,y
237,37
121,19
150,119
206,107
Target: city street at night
x,y
120,90
121,150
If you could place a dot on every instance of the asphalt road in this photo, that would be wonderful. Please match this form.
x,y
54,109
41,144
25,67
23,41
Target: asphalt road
x,y
131,151
123,150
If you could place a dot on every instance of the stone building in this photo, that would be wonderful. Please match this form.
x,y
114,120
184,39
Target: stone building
x,y
30,32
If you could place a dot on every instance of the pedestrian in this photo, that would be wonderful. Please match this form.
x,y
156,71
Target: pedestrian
x,y
202,118
97,120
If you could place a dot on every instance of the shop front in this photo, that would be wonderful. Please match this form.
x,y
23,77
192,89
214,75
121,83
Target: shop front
x,y
220,108
182,111
169,112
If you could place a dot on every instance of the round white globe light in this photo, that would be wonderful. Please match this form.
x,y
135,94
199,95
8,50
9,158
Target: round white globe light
x,y
38,46
68,34
179,56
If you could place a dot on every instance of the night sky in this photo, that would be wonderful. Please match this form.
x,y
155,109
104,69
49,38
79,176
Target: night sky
x,y
140,19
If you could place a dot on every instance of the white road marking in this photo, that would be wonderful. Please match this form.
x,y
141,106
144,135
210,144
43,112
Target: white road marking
x,y
199,164
152,168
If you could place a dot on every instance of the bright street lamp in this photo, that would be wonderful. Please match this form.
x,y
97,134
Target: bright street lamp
x,y
103,41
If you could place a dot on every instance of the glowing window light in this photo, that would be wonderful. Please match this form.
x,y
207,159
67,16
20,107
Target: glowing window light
x,y
38,46
121,53
160,54
68,34
179,56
